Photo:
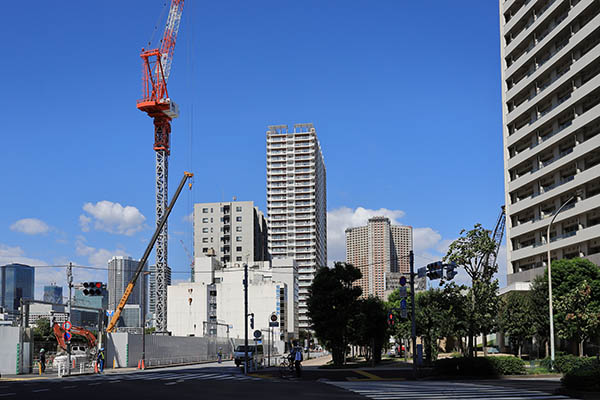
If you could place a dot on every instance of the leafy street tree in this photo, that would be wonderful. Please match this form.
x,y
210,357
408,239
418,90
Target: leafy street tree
x,y
567,274
538,297
472,251
516,318
457,304
332,302
43,336
581,317
431,316
369,327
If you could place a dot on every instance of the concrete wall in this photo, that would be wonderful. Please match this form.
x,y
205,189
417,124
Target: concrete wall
x,y
10,354
125,349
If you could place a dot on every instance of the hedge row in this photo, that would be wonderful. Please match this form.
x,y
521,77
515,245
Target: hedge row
x,y
480,366
568,362
583,378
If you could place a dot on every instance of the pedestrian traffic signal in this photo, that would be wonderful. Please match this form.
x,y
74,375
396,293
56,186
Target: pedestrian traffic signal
x,y
451,271
391,319
435,270
92,288
251,321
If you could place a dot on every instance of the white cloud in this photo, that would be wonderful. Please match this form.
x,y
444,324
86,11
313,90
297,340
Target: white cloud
x,y
425,238
17,255
188,218
30,226
112,217
96,257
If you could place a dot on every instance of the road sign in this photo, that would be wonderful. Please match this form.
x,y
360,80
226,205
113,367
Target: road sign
x,y
273,324
257,334
109,313
402,280
66,326
403,313
67,336
422,272
402,291
273,317
403,304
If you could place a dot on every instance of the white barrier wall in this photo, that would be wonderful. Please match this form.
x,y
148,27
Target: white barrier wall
x,y
125,349
10,351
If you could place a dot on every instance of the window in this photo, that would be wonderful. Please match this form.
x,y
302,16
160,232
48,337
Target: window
x,y
238,258
238,248
204,220
205,210
238,209
204,230
204,240
238,219
238,238
238,228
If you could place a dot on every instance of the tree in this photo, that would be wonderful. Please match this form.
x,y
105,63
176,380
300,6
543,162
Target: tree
x,y
431,316
539,302
567,274
43,336
457,304
472,251
369,326
516,318
332,302
581,317
485,314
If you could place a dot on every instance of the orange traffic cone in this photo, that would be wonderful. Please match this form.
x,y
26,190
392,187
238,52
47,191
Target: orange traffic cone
x,y
139,364
143,365
96,366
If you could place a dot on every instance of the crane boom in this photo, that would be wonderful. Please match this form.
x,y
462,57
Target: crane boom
x,y
142,263
167,47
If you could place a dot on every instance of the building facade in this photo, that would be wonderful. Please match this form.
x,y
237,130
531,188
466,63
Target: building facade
x,y
235,230
380,251
120,271
551,120
213,305
297,203
152,287
53,294
16,282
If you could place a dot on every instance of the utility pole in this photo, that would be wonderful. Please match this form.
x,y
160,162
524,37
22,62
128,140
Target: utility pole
x,y
70,283
245,318
412,311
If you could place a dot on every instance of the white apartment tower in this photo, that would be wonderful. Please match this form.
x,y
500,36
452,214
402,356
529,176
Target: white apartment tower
x,y
297,203
551,120
380,251
235,230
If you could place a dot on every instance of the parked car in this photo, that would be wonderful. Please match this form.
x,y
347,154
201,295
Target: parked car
x,y
254,352
492,350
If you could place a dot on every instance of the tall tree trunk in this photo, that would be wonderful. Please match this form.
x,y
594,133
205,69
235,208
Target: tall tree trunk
x,y
484,344
519,347
547,346
581,348
470,344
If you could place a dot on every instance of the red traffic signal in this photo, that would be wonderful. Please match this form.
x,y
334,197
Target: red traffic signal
x,y
390,319
92,288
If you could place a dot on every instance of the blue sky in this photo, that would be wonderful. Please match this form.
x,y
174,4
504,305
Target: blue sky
x,y
405,97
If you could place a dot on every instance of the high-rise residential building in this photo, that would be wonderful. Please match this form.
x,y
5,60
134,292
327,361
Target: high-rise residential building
x,y
53,294
235,230
16,283
551,120
297,203
152,286
380,251
120,271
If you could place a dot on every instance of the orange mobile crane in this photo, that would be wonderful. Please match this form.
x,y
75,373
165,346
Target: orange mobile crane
x,y
142,263
155,101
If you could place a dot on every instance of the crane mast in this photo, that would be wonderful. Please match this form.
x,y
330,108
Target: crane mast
x,y
155,101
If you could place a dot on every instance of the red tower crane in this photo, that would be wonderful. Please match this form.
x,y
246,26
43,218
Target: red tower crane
x,y
155,101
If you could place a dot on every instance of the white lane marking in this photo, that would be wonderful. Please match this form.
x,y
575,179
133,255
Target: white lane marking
x,y
41,390
171,383
95,383
7,394
69,387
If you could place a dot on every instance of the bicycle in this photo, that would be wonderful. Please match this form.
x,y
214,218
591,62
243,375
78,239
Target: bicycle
x,y
286,369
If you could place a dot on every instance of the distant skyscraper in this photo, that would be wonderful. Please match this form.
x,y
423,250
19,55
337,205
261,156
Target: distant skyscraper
x,y
235,230
152,286
120,272
297,203
53,294
551,123
380,251
16,283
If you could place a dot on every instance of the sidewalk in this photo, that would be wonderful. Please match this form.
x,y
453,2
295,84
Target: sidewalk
x,y
53,374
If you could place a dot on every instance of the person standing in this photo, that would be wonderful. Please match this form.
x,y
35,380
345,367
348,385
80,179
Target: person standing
x,y
298,361
220,355
100,360
43,360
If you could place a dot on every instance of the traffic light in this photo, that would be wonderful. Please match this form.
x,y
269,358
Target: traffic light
x,y
451,271
391,319
435,270
92,288
252,321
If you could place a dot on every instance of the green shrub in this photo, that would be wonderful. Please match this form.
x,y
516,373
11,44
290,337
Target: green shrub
x,y
568,362
508,365
483,367
583,378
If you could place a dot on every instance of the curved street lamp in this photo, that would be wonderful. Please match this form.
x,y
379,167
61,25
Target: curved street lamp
x,y
549,263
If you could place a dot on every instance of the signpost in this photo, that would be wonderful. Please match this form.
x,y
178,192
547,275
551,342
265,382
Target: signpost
x,y
273,323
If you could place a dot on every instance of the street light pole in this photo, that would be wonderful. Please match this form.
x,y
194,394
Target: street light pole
x,y
549,264
412,310
143,364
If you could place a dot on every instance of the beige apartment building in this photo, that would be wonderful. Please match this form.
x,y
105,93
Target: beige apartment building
x,y
380,251
551,119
